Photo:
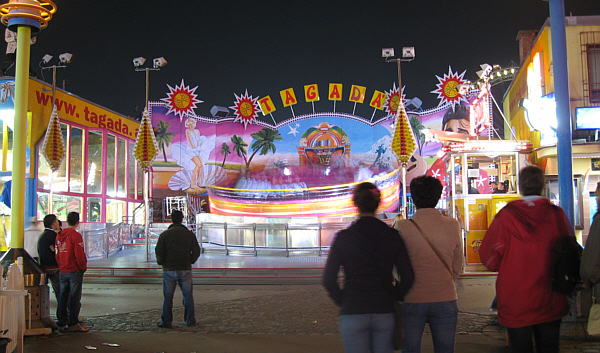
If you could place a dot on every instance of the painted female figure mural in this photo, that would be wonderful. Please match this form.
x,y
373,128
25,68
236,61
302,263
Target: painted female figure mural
x,y
194,154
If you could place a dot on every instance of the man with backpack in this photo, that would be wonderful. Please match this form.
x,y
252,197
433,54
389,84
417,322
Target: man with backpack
x,y
520,245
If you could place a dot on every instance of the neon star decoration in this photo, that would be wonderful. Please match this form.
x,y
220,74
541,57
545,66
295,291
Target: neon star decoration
x,y
393,100
447,88
245,108
181,100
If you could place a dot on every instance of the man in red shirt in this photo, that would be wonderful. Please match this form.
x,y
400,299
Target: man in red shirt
x,y
72,263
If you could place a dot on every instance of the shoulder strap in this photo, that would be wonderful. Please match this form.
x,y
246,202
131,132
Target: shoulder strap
x,y
435,250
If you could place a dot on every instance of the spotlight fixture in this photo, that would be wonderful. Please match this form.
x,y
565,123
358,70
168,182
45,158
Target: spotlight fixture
x,y
387,52
408,52
65,58
139,61
46,59
159,62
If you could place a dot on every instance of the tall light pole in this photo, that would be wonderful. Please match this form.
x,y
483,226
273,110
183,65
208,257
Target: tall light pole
x,y
403,142
24,17
53,147
146,147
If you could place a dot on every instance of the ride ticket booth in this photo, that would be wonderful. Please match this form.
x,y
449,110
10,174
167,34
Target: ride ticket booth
x,y
482,178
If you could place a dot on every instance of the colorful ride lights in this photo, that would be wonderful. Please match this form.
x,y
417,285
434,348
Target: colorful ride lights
x,y
31,13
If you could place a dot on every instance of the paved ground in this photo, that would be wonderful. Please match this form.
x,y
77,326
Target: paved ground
x,y
289,318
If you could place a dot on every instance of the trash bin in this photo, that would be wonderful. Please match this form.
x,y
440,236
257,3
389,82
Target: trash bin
x,y
4,341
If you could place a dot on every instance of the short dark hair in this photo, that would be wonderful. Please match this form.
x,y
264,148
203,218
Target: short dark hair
x,y
177,216
49,220
426,191
532,180
72,218
366,197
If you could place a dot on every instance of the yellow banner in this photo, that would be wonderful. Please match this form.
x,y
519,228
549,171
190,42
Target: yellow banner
x,y
74,109
311,93
378,100
266,105
335,92
288,97
357,94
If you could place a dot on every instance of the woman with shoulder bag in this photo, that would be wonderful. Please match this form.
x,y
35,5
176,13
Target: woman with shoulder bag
x,y
435,249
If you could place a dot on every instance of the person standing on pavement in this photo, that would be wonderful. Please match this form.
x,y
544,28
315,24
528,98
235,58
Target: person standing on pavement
x,y
72,263
518,245
30,238
432,298
177,250
47,252
367,250
590,259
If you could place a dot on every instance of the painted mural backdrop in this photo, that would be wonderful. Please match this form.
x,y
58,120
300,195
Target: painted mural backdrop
x,y
239,151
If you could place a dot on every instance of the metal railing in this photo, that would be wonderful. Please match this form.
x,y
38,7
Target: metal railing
x,y
102,242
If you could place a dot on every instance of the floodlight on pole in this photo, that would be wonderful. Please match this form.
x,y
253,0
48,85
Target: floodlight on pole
x,y
402,143
146,142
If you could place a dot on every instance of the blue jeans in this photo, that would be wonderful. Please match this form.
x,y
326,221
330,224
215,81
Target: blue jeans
x,y
170,281
368,333
70,298
442,318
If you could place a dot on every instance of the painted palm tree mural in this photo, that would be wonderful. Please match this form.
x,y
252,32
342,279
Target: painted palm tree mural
x,y
163,137
264,142
225,151
417,129
239,147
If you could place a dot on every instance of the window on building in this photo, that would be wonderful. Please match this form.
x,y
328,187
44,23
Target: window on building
x,y
94,209
76,160
590,63
122,168
593,66
94,167
111,165
131,177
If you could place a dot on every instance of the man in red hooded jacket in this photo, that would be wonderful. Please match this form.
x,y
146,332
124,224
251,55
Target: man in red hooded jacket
x,y
72,264
518,244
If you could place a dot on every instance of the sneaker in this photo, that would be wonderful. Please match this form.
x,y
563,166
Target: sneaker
x,y
77,328
163,325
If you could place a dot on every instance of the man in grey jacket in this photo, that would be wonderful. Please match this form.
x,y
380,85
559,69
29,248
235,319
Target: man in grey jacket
x,y
176,250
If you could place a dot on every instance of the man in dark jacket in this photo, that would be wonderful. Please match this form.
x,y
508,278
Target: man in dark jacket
x,y
176,250
47,252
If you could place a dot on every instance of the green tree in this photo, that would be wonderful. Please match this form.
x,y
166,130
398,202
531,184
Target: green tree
x,y
263,142
417,129
163,136
239,147
225,151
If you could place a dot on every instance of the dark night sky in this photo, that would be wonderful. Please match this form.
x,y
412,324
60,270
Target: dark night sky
x,y
225,47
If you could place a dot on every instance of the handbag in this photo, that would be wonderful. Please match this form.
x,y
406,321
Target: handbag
x,y
435,250
593,326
